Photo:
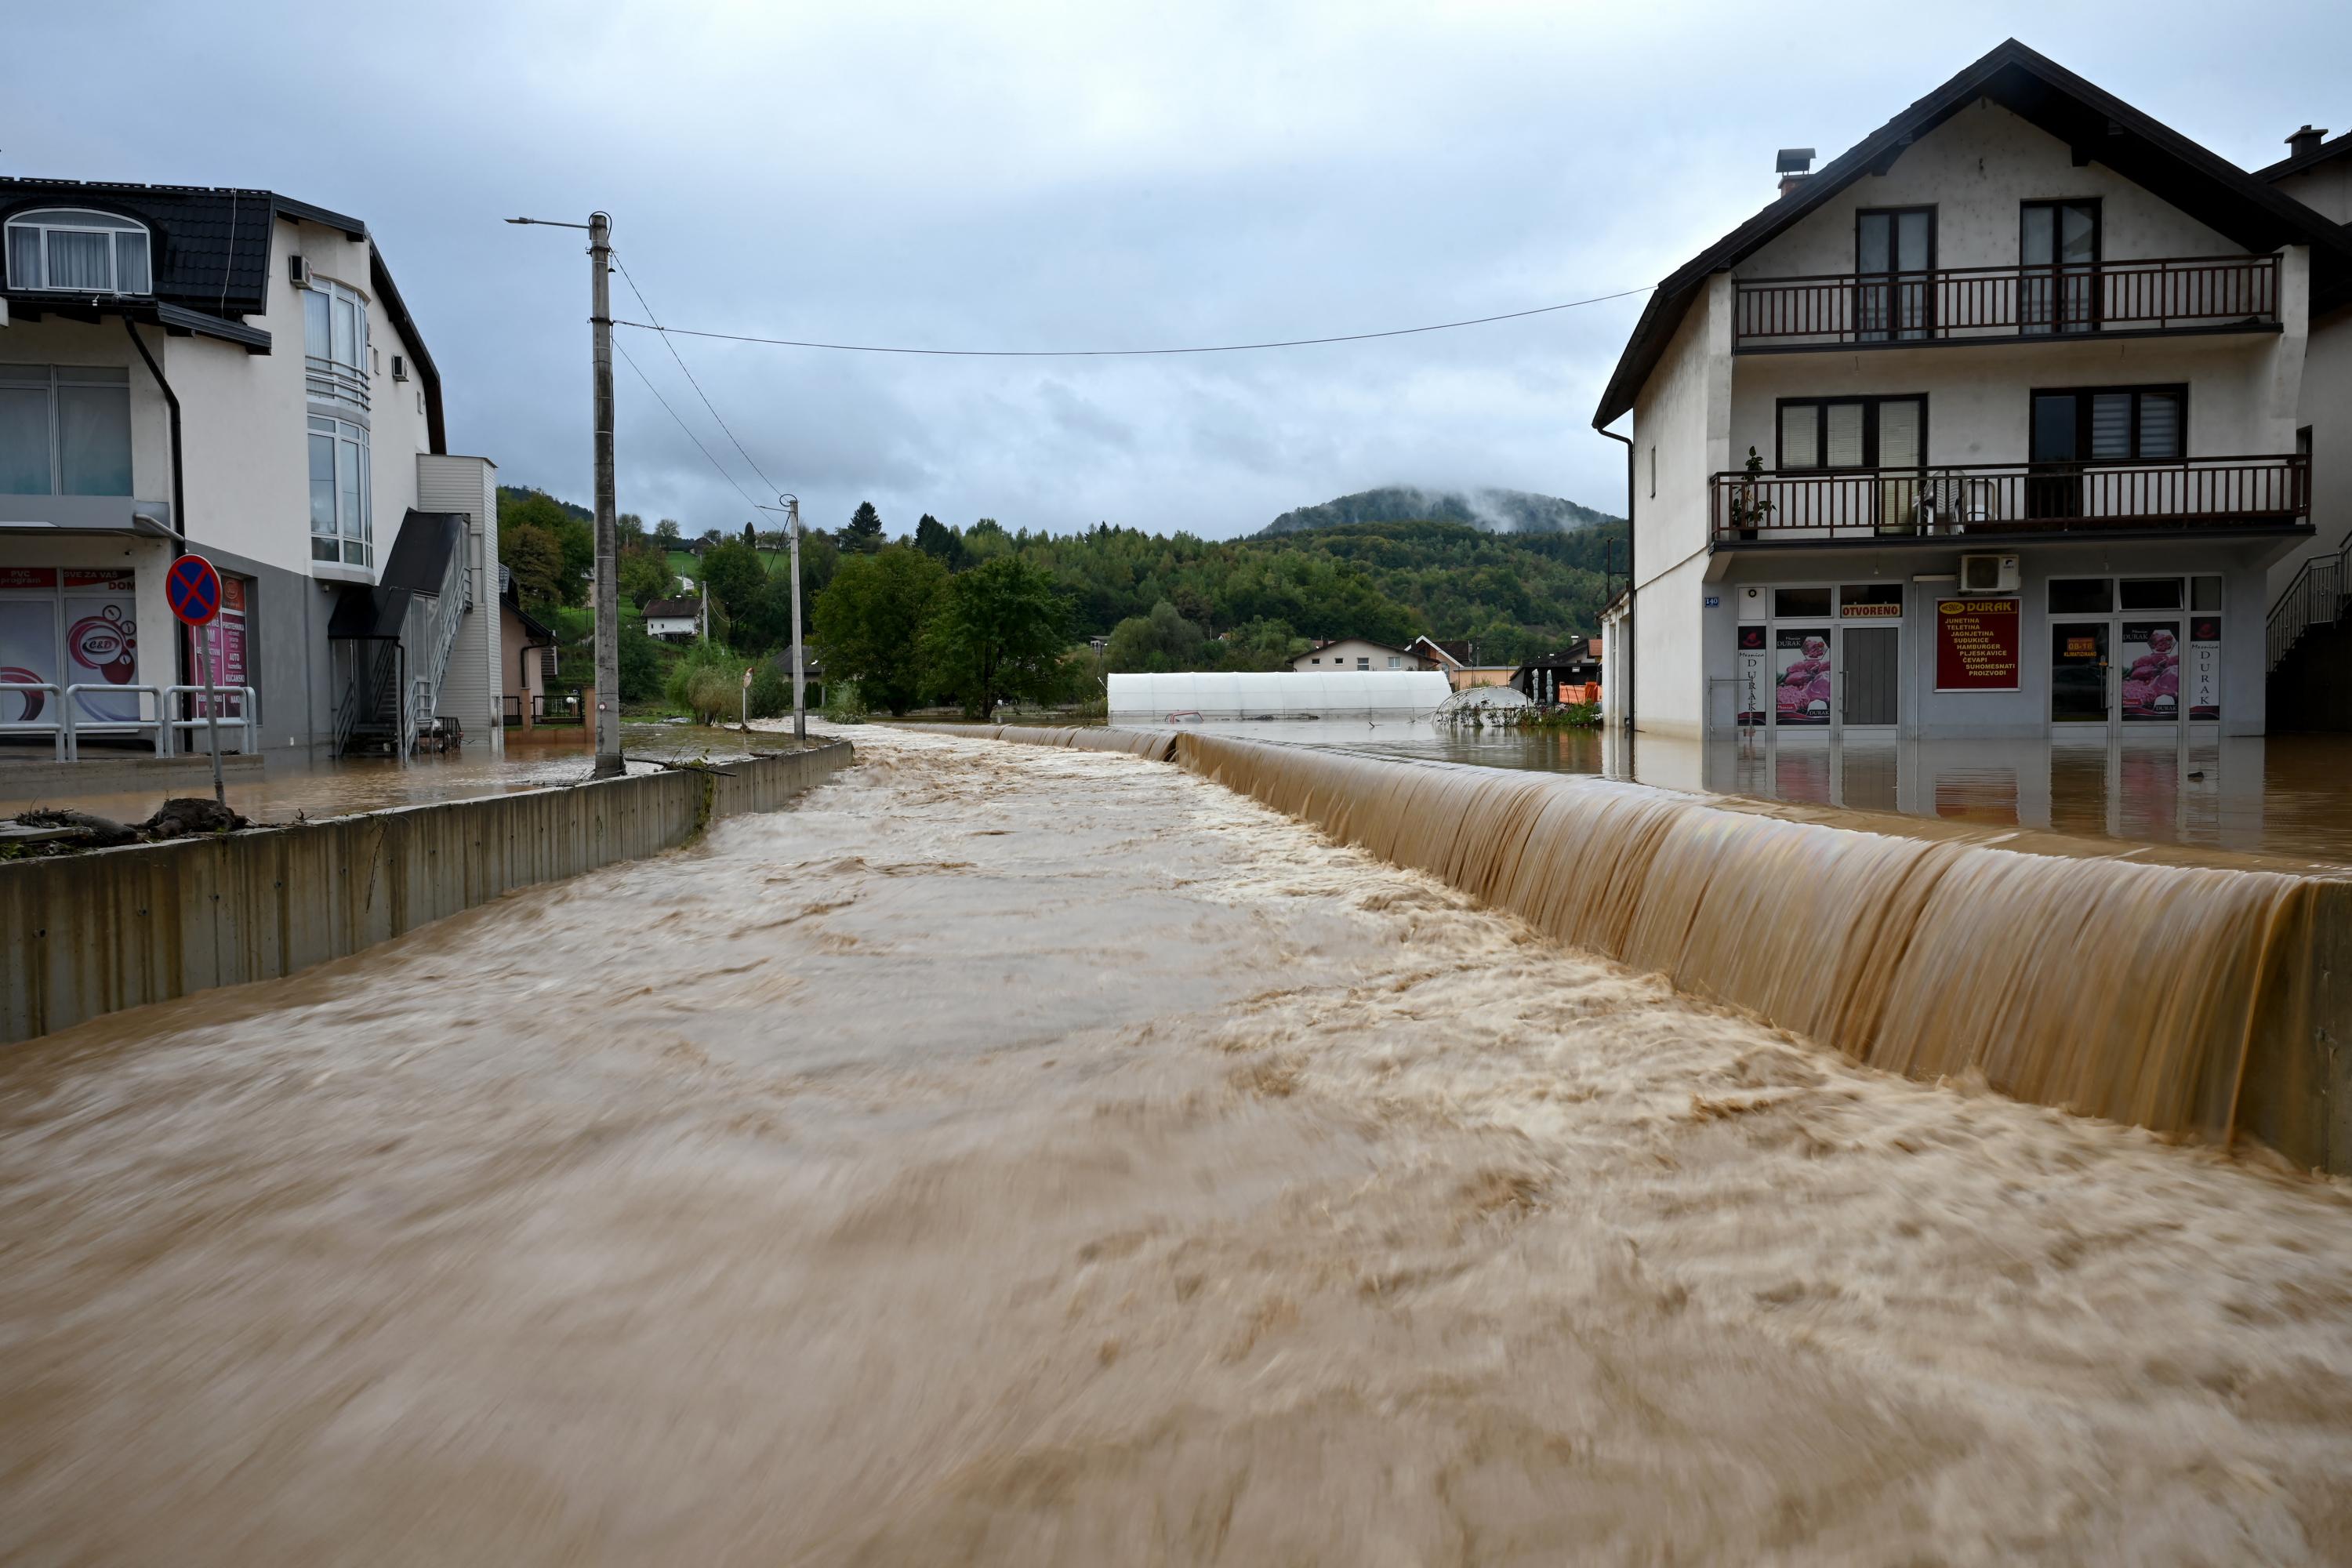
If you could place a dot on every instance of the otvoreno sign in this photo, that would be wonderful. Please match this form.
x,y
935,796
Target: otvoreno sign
x,y
1977,644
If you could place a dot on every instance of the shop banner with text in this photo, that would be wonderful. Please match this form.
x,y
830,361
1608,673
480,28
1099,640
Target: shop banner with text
x,y
2204,667
1753,713
1977,645
1801,658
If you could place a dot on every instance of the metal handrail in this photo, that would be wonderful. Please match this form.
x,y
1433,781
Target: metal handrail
x,y
244,721
2001,497
77,728
54,727
2314,596
2017,299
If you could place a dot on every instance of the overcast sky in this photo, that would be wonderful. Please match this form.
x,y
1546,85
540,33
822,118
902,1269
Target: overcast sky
x,y
1018,175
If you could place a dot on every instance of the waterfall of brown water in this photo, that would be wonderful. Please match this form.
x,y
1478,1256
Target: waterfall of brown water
x,y
2063,974
2192,999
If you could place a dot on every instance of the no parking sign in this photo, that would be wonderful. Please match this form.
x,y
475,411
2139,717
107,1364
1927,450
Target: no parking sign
x,y
194,589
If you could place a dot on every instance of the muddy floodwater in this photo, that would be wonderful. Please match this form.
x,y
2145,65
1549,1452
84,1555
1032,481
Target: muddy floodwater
x,y
1026,1156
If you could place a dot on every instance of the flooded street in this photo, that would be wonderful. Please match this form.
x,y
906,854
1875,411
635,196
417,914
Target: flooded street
x,y
289,787
1021,1155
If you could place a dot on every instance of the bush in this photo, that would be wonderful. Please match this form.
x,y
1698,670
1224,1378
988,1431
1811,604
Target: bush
x,y
771,691
844,704
706,682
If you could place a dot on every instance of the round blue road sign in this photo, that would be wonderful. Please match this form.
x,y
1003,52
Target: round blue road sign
x,y
194,589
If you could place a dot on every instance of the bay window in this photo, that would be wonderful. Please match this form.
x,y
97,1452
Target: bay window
x,y
73,251
65,430
342,522
335,344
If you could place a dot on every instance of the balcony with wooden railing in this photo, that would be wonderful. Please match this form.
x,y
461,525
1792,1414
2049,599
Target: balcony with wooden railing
x,y
1992,500
2212,293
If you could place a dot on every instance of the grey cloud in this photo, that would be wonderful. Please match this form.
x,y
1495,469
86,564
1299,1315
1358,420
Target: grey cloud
x,y
1021,174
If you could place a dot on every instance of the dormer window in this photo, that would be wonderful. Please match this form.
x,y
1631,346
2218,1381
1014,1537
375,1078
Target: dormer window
x,y
69,250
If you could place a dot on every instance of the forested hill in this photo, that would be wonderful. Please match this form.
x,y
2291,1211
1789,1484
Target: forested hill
x,y
1493,510
1517,593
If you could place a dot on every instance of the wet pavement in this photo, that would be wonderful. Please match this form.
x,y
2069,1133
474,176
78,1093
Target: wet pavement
x,y
333,787
1030,1156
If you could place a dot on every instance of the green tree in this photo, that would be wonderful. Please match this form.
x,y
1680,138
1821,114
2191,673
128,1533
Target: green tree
x,y
574,538
1159,643
863,534
872,621
765,621
934,538
667,531
530,552
999,633
735,574
644,577
1262,644
641,670
986,541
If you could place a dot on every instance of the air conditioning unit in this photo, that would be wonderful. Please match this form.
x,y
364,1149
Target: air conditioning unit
x,y
399,368
1988,574
299,271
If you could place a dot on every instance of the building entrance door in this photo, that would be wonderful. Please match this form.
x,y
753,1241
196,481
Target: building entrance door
x,y
2078,672
1870,661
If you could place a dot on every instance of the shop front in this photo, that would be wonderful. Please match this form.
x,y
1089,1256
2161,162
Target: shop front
x,y
1820,657
2083,644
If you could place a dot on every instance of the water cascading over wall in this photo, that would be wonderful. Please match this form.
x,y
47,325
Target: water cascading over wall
x,y
2199,995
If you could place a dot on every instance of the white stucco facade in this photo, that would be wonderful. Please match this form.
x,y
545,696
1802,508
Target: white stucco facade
x,y
2208,490
1358,653
224,328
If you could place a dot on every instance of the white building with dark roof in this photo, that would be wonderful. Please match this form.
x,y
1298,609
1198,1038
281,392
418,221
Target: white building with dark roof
x,y
2001,424
232,372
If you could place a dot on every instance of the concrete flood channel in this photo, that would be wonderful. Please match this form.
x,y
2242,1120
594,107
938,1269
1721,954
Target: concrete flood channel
x,y
1036,1153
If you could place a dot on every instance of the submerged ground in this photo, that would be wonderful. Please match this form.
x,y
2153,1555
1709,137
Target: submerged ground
x,y
1024,1155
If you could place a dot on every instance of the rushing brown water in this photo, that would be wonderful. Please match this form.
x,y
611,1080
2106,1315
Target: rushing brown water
x,y
1034,1156
2058,972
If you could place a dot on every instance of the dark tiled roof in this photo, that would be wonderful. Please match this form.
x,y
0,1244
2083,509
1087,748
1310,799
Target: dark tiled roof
x,y
213,255
668,607
212,250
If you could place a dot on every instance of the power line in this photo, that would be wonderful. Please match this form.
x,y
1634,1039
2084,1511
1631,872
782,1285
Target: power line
x,y
1121,353
655,317
682,425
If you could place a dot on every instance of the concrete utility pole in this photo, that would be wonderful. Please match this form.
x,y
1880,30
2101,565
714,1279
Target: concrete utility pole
x,y
608,565
800,687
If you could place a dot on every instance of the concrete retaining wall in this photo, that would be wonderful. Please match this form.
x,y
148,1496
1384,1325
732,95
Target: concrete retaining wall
x,y
86,934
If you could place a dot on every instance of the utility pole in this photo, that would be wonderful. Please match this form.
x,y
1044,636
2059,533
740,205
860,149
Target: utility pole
x,y
607,594
608,564
800,687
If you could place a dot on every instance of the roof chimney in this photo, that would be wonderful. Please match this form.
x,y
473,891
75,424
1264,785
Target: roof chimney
x,y
1794,166
2305,141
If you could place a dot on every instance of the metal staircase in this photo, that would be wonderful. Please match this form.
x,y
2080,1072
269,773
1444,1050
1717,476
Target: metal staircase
x,y
2315,596
394,641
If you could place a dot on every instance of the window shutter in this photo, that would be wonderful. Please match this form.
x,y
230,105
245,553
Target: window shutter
x,y
1845,435
1801,437
2111,434
2159,425
1898,434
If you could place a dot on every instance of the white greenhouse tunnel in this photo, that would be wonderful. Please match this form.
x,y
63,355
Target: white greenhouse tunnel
x,y
1277,694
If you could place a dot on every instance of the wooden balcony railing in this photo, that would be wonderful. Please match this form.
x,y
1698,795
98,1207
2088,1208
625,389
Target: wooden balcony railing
x,y
1996,499
2159,295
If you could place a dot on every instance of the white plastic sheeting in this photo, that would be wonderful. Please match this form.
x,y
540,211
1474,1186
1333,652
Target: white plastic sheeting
x,y
1278,694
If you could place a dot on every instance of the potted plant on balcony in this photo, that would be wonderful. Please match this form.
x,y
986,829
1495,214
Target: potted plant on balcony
x,y
1749,510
